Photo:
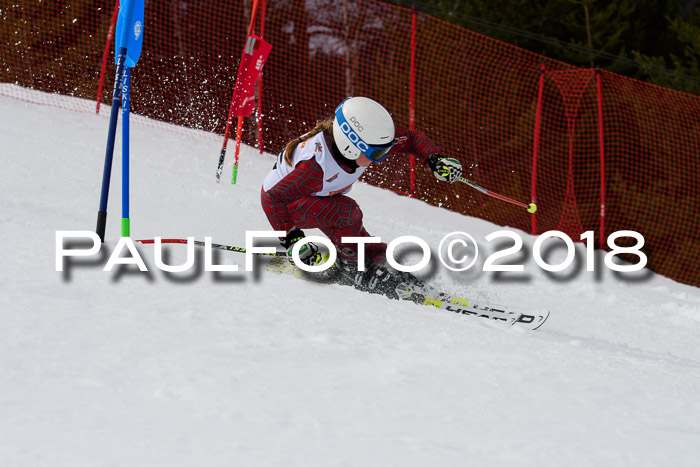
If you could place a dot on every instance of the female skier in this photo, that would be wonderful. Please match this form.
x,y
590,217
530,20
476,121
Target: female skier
x,y
308,184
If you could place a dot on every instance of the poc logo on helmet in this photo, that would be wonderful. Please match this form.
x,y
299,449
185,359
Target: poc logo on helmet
x,y
357,124
352,136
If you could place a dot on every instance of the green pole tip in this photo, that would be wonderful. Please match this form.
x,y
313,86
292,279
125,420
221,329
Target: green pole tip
x,y
126,227
234,175
532,208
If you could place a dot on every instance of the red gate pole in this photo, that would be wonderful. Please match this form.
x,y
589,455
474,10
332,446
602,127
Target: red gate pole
x,y
230,111
599,86
239,127
260,80
536,147
412,100
110,35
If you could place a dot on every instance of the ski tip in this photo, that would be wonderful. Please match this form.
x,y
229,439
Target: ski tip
x,y
542,318
530,319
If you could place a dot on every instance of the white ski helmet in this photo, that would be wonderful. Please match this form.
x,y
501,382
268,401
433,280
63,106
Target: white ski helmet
x,y
363,126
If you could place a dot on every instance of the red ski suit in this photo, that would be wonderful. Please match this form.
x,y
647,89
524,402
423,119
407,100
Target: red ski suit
x,y
293,200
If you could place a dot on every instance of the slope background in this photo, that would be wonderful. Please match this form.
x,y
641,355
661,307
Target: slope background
x,y
202,368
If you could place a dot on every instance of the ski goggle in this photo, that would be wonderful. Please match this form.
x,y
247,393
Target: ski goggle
x,y
374,152
379,152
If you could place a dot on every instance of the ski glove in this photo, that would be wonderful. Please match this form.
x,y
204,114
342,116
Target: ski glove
x,y
307,253
445,169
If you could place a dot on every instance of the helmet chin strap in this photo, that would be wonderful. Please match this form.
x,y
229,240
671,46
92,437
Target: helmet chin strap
x,y
338,156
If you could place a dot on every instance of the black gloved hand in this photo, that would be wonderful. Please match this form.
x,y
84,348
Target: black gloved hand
x,y
307,253
445,169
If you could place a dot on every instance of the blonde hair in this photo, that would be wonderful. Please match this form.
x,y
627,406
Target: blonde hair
x,y
321,125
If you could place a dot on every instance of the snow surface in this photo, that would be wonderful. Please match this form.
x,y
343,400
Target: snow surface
x,y
198,368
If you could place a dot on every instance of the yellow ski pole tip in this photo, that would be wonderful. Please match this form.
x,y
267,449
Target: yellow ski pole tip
x,y
532,208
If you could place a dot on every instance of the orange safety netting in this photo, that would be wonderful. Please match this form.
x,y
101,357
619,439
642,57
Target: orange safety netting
x,y
595,150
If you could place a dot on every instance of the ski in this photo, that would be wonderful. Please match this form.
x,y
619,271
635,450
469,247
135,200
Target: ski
x,y
425,295
414,290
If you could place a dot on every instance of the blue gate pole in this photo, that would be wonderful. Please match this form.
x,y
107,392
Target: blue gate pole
x,y
126,223
126,13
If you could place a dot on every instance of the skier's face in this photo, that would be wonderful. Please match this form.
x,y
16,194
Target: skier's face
x,y
363,161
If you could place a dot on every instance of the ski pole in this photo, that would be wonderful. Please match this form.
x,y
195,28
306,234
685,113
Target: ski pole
x,y
531,208
218,246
